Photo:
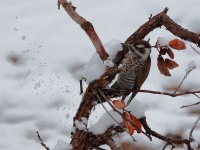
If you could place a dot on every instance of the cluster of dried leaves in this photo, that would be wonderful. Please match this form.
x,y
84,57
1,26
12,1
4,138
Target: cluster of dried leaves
x,y
129,120
165,64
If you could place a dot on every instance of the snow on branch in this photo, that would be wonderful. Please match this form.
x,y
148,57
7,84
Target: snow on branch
x,y
83,139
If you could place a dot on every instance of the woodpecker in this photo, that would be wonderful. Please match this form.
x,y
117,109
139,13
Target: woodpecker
x,y
135,68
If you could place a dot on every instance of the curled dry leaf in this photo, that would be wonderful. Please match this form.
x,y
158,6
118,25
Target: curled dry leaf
x,y
170,53
137,123
119,104
177,44
162,66
127,124
163,50
166,49
126,115
170,64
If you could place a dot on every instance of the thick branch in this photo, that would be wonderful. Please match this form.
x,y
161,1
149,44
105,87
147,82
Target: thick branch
x,y
179,31
161,19
80,140
86,26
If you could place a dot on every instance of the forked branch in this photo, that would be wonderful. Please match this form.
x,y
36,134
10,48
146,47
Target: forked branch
x,y
82,139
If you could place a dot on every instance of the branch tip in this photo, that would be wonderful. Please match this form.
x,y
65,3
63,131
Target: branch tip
x,y
165,10
58,4
41,141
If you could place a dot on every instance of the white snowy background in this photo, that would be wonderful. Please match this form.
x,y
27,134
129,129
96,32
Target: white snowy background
x,y
40,92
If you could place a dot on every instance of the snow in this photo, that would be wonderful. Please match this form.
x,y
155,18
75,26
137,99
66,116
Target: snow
x,y
93,69
107,121
96,67
113,47
51,49
194,145
62,145
162,41
84,120
81,125
191,66
136,108
109,63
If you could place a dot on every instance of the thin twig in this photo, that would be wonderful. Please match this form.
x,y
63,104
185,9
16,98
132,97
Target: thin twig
x,y
41,141
192,130
172,146
81,86
197,103
195,49
58,5
155,92
165,146
168,143
196,95
187,73
150,16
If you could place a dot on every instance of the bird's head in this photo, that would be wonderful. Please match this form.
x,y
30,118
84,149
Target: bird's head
x,y
140,47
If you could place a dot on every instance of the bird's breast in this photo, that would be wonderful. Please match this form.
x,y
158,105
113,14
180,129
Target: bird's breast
x,y
127,77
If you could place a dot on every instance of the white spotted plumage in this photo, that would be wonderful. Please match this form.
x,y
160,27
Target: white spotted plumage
x,y
133,62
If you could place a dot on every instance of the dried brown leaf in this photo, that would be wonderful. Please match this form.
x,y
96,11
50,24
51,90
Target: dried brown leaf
x,y
119,104
177,44
162,66
170,64
170,53
128,125
163,50
137,123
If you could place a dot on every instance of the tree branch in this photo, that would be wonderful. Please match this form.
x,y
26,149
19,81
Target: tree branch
x,y
41,141
161,19
192,130
86,26
152,92
197,103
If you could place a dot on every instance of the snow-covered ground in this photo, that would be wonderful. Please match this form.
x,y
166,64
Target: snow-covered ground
x,y
42,52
